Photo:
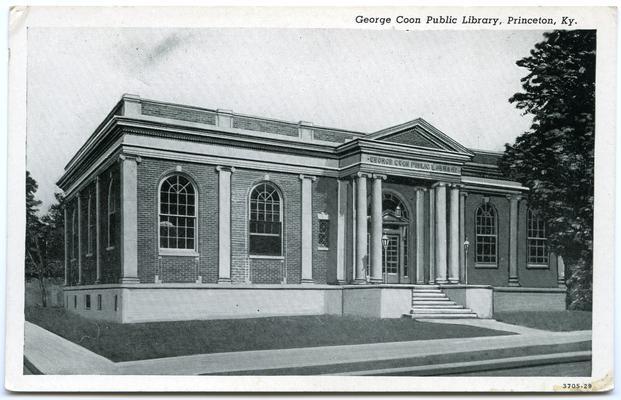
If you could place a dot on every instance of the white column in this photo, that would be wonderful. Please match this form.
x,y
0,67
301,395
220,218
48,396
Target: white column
x,y
376,229
462,234
420,236
79,238
66,247
432,236
454,244
513,235
307,228
129,218
560,265
97,233
361,228
224,224
340,231
441,266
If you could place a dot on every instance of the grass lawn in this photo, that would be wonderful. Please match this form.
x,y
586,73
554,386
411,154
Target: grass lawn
x,y
124,342
557,321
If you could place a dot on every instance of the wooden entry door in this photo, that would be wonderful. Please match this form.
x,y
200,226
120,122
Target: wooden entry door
x,y
392,259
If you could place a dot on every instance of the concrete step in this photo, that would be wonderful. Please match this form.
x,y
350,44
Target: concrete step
x,y
433,300
431,290
428,294
441,311
426,287
435,306
440,316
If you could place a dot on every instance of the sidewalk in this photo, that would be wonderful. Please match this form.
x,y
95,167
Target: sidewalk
x,y
488,324
52,354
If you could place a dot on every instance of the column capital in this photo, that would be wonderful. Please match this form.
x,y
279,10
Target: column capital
x,y
514,197
228,168
455,185
420,189
379,176
440,184
311,177
463,193
362,175
130,157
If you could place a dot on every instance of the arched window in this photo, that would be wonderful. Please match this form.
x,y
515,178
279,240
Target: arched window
x,y
392,203
177,222
112,223
265,225
486,235
537,240
74,235
91,226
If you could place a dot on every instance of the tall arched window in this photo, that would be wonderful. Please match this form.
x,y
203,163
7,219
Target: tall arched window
x,y
112,223
74,235
177,222
537,240
265,225
91,226
486,235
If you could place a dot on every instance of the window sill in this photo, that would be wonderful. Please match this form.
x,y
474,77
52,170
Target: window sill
x,y
486,266
89,255
178,253
323,248
266,257
537,266
109,248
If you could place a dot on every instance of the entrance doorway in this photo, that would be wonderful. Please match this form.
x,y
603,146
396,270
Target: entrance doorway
x,y
394,268
395,226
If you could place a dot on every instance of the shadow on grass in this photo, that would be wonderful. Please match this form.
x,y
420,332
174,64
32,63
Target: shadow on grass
x,y
125,342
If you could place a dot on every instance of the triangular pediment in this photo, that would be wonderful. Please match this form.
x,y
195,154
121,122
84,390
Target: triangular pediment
x,y
419,133
412,137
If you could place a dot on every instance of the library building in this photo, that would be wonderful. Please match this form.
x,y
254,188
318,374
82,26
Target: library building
x,y
178,212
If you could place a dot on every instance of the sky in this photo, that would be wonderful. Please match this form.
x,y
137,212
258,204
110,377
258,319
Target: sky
x,y
363,80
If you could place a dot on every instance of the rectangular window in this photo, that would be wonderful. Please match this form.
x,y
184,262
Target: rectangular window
x,y
324,234
99,302
537,240
75,301
116,302
87,301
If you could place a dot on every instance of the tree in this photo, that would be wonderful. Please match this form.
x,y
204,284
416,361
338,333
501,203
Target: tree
x,y
555,158
44,238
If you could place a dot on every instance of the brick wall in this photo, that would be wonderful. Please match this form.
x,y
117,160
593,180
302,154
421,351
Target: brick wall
x,y
325,200
331,136
180,113
110,261
110,256
532,277
498,276
252,124
89,264
177,268
265,270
